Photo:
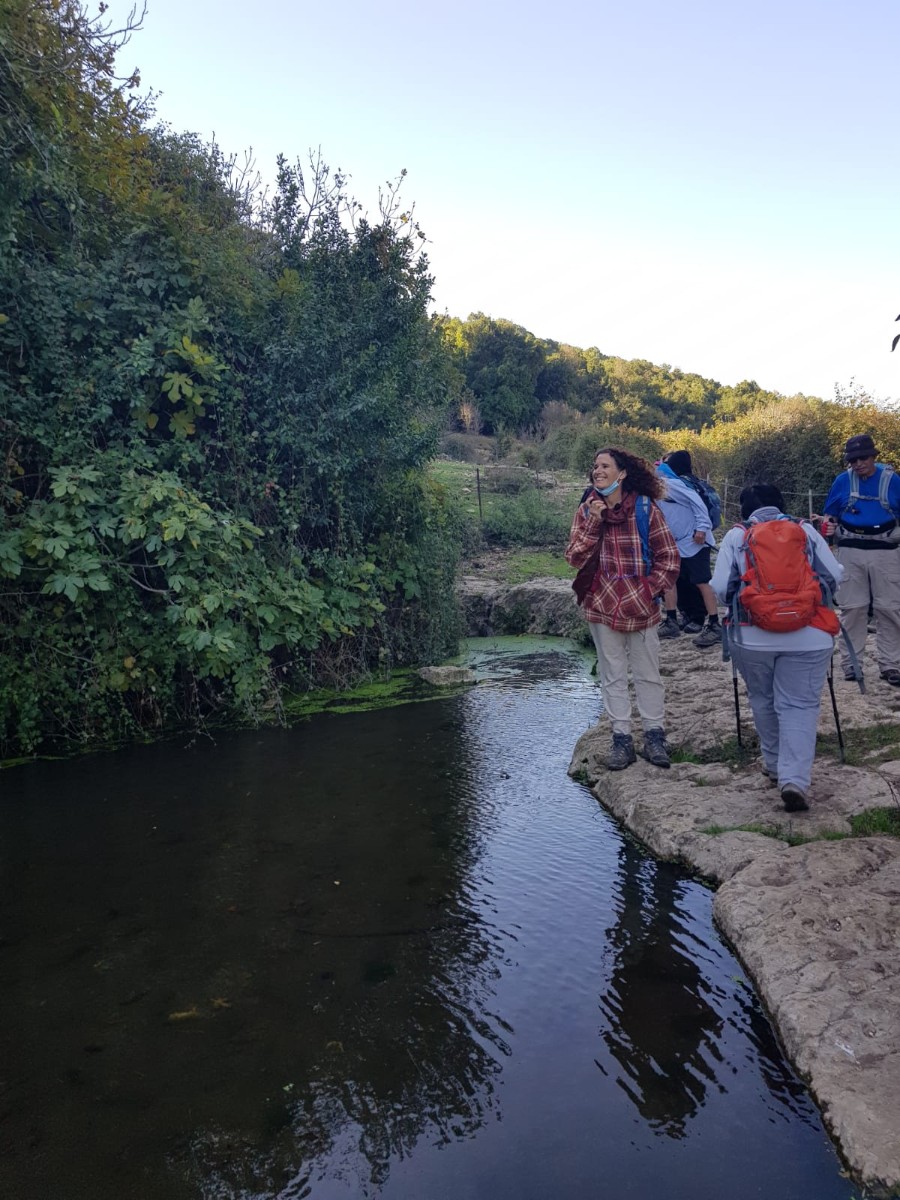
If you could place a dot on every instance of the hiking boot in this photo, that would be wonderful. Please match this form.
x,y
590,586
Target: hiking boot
x,y
794,798
892,676
691,627
711,636
669,628
621,753
655,749
849,674
771,777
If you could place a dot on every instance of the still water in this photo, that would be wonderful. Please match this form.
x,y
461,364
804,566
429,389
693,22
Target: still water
x,y
389,954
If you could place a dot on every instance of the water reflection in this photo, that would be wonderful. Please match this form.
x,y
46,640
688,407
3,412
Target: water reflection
x,y
660,1028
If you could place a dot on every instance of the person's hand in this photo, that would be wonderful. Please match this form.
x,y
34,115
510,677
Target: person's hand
x,y
827,525
597,507
699,537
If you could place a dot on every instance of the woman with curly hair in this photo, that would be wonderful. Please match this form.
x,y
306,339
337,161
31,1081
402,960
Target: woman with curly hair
x,y
627,559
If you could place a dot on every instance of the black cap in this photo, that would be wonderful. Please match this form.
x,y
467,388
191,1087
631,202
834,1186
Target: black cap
x,y
860,446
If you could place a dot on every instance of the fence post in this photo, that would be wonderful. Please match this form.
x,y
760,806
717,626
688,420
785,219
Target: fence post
x,y
810,504
478,489
725,499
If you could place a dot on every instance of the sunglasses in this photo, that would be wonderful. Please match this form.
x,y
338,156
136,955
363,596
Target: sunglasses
x,y
859,458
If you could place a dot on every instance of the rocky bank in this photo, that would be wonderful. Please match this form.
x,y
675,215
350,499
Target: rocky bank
x,y
813,921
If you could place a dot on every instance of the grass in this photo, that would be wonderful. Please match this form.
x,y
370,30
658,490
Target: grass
x,y
861,745
522,565
773,831
513,510
876,821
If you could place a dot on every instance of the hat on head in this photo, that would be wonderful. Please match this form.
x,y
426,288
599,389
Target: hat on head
x,y
860,446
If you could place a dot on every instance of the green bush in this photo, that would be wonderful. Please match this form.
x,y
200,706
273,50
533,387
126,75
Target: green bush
x,y
461,447
530,519
215,416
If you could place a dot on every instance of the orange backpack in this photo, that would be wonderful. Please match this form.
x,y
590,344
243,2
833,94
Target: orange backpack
x,y
780,591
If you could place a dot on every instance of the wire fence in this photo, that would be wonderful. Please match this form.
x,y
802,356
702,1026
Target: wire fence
x,y
495,478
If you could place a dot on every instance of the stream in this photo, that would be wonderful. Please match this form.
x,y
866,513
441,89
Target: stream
x,y
392,953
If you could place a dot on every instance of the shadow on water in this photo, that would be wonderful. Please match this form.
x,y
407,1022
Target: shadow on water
x,y
396,953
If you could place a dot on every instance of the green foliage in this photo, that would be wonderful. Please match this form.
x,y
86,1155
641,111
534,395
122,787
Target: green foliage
x,y
215,415
531,518
796,444
461,446
522,383
876,822
575,447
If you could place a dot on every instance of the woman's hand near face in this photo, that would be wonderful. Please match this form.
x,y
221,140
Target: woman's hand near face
x,y
597,507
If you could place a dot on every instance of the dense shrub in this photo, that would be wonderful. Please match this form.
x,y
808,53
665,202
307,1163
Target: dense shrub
x,y
529,519
461,447
215,415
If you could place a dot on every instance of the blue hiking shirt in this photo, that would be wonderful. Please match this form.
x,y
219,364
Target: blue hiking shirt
x,y
868,512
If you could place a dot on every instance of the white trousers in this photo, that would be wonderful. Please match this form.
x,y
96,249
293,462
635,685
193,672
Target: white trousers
x,y
878,572
616,652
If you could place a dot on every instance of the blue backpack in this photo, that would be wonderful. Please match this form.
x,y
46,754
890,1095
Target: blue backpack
x,y
709,496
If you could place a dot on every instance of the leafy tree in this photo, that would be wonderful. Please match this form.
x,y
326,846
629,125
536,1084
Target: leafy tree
x,y
501,363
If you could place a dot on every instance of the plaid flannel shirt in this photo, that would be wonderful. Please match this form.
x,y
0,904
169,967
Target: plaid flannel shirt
x,y
622,595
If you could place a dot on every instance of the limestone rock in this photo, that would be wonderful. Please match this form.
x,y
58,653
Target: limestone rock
x,y
542,606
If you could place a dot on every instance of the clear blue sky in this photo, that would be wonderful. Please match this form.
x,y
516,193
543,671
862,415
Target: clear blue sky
x,y
710,185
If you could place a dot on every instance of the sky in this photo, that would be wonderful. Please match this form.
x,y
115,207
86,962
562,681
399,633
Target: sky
x,y
709,185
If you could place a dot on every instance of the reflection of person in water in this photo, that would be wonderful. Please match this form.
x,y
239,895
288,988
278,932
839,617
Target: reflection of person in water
x,y
660,1028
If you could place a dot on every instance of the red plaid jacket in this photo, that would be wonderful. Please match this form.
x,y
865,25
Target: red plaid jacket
x,y
622,595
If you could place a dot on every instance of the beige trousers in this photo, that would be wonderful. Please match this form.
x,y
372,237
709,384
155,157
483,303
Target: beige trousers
x,y
878,572
616,652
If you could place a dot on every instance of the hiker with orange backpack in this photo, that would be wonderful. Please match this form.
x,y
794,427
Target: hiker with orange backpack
x,y
777,575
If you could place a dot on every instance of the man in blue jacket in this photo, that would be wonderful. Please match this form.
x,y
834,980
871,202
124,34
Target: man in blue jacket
x,y
863,511
691,527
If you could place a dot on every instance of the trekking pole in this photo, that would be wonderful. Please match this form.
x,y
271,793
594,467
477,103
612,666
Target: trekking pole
x,y
726,657
834,709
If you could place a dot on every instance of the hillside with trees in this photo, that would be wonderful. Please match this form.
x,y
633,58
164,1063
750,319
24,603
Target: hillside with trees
x,y
550,405
509,375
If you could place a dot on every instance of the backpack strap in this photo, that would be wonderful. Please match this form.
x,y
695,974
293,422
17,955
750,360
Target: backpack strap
x,y
853,495
642,516
885,475
884,486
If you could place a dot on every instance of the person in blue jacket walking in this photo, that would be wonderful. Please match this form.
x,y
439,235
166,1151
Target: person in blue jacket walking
x,y
691,526
862,511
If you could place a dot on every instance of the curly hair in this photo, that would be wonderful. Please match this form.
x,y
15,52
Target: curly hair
x,y
640,477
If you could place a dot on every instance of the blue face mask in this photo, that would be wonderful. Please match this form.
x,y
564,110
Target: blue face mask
x,y
607,491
